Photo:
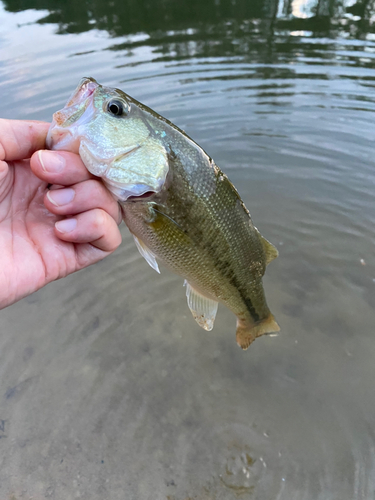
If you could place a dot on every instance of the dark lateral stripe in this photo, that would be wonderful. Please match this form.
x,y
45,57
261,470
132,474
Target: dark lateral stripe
x,y
251,309
255,316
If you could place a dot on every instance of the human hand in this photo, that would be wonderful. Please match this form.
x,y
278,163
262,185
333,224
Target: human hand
x,y
43,235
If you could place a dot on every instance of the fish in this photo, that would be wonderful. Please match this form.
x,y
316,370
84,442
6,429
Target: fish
x,y
180,207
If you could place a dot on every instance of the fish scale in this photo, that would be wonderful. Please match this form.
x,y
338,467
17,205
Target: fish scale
x,y
216,226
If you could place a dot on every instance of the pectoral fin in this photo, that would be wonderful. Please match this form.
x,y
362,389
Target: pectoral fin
x,y
146,253
203,309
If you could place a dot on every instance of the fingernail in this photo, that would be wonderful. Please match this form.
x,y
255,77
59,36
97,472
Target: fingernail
x,y
61,196
51,162
66,225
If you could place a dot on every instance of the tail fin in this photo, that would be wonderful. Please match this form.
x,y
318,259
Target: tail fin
x,y
247,332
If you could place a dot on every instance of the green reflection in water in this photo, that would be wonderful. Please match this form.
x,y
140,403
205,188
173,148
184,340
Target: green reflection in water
x,y
120,17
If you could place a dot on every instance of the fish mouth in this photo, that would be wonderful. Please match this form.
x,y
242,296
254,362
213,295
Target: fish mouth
x,y
78,110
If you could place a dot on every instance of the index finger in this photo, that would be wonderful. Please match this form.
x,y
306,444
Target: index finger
x,y
19,139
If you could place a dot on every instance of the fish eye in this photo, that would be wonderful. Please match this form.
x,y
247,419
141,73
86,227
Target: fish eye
x,y
116,108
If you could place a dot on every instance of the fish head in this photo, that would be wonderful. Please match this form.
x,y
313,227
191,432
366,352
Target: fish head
x,y
112,134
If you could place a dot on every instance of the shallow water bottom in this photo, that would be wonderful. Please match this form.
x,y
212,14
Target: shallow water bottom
x,y
99,401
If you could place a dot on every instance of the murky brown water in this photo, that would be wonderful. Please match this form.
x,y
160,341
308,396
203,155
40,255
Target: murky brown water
x,y
108,388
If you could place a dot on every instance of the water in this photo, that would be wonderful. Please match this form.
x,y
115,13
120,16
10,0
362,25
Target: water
x,y
108,387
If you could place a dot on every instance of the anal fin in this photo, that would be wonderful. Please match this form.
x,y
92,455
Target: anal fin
x,y
146,253
203,309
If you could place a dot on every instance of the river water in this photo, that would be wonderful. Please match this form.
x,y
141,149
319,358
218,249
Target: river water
x,y
108,388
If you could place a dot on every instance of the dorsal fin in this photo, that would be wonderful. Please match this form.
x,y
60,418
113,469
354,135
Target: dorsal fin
x,y
270,251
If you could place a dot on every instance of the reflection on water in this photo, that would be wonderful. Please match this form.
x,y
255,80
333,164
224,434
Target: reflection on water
x,y
108,388
349,17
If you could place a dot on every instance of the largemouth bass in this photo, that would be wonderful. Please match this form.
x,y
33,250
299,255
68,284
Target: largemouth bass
x,y
179,206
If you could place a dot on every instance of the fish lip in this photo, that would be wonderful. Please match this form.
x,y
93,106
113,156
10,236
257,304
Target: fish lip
x,y
62,133
83,91
60,128
63,136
